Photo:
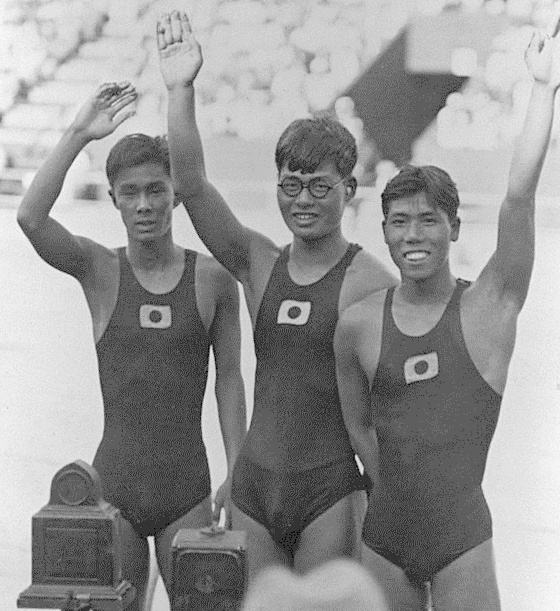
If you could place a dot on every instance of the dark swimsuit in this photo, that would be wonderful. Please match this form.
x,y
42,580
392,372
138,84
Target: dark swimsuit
x,y
436,419
296,461
153,364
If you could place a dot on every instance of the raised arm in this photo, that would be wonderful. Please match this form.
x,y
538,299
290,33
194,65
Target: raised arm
x,y
99,117
353,388
180,60
510,268
230,389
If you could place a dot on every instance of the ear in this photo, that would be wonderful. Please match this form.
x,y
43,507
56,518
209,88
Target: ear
x,y
177,200
350,184
113,198
455,227
383,228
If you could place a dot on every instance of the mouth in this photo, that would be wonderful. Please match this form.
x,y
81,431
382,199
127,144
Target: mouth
x,y
145,224
416,256
304,217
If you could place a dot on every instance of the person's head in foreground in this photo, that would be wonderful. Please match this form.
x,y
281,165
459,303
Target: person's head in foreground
x,y
315,158
339,585
420,219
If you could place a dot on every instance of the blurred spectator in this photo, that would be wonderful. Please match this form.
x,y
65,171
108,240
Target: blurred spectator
x,y
339,585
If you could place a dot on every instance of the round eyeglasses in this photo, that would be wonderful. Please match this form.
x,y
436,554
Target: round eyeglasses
x,y
292,186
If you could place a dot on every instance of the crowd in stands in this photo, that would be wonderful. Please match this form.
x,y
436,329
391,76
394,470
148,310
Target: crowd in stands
x,y
266,63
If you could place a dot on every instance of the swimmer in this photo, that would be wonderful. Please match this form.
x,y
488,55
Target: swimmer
x,y
422,369
156,309
296,483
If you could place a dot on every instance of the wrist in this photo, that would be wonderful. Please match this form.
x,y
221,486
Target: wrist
x,y
181,87
544,87
78,134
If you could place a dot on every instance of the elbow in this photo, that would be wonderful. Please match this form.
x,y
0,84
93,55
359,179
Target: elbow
x,y
25,222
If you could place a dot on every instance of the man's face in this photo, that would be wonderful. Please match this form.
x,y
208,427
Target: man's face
x,y
310,216
419,235
145,197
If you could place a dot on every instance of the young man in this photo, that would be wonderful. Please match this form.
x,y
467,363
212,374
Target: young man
x,y
295,482
422,369
156,309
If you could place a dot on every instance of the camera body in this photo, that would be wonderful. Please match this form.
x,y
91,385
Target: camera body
x,y
209,570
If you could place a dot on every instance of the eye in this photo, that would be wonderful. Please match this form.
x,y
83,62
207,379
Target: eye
x,y
291,185
320,186
157,188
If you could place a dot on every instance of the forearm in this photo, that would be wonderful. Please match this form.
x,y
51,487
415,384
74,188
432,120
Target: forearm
x,y
532,145
47,184
187,153
230,396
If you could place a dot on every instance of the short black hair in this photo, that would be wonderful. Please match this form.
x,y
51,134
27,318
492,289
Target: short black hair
x,y
136,149
307,143
440,189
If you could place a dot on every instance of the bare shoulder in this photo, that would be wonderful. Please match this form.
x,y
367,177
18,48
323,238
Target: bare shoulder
x,y
364,276
360,317
102,264
213,277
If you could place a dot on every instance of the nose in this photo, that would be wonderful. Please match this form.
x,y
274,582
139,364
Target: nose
x,y
414,232
304,198
143,202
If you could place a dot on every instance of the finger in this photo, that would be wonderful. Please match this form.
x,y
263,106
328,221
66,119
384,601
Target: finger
x,y
188,34
122,117
176,29
122,102
167,32
216,513
160,35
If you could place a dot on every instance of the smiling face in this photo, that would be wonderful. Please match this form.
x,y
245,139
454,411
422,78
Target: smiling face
x,y
145,198
310,217
418,234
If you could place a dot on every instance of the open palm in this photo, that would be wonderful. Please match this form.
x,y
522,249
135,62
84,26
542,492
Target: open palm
x,y
179,52
101,114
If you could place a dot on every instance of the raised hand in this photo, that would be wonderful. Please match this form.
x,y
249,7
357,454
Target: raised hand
x,y
179,53
106,110
543,57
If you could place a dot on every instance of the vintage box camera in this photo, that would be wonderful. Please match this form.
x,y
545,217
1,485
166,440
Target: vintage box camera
x,y
209,569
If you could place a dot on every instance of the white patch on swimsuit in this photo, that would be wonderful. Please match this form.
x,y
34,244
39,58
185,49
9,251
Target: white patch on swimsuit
x,y
155,316
421,367
293,312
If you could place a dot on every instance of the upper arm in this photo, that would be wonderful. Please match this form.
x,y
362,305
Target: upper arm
x,y
352,380
59,247
510,267
225,237
225,330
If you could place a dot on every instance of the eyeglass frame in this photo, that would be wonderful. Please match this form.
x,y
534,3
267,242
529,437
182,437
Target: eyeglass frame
x,y
306,185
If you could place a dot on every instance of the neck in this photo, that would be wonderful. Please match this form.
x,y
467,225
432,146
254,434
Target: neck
x,y
325,250
435,289
152,255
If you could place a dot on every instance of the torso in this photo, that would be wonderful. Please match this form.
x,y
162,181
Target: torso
x,y
297,422
152,346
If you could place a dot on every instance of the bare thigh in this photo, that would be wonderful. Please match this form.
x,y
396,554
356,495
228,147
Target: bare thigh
x,y
198,517
469,582
400,593
332,535
135,563
262,550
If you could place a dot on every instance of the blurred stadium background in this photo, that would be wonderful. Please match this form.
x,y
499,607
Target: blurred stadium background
x,y
432,81
437,81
